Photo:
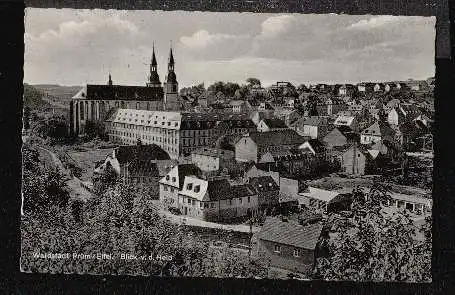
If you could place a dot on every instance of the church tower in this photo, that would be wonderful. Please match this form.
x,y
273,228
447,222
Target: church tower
x,y
154,79
110,80
171,87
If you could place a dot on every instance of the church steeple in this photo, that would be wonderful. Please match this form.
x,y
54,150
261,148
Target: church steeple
x,y
171,61
110,80
171,89
154,79
171,77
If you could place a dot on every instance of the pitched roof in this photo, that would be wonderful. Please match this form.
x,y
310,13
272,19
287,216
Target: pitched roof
x,y
219,189
277,138
139,167
312,121
127,153
275,123
290,233
317,145
115,92
214,152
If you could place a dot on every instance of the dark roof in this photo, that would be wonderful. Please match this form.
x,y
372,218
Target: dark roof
x,y
317,145
219,189
187,170
115,92
139,167
263,184
275,123
241,190
201,121
348,133
128,153
290,233
280,137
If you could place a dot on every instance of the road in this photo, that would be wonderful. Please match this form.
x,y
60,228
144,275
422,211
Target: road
x,y
186,220
76,190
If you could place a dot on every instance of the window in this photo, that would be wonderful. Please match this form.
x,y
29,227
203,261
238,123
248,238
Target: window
x,y
212,205
173,179
172,189
277,249
193,202
201,204
249,199
197,188
189,186
230,201
240,199
296,253
165,188
206,205
189,201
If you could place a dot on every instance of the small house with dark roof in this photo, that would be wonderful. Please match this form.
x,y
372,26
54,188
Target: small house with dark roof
x,y
272,124
287,244
252,146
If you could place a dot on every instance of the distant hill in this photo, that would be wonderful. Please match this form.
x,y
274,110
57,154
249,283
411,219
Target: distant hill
x,y
58,91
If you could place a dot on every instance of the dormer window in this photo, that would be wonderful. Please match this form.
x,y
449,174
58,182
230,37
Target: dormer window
x,y
167,177
197,188
173,179
189,186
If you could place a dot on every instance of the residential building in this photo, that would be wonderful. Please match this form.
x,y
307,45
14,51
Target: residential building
x,y
172,183
340,136
316,199
330,106
211,159
252,146
356,160
347,121
376,132
314,127
217,200
287,245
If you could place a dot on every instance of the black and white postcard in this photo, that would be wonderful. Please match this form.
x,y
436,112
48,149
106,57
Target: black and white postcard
x,y
228,145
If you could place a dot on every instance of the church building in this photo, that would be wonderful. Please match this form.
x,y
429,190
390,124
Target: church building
x,y
94,102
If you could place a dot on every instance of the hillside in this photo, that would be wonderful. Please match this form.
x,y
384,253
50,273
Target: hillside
x,y
33,98
62,92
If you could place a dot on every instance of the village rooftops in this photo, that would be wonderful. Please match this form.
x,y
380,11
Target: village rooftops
x,y
290,233
143,168
277,138
378,129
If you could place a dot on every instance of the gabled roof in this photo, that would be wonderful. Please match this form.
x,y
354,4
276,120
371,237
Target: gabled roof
x,y
275,123
148,152
290,233
319,194
344,120
316,145
313,121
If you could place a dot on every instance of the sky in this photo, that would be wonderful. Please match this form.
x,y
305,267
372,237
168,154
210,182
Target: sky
x,y
76,47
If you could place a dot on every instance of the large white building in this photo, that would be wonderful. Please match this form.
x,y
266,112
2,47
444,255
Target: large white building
x,y
177,133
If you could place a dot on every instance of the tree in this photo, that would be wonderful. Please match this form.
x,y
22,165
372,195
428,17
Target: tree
x,y
371,245
95,129
253,82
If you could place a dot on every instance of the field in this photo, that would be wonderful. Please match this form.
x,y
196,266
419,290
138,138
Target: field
x,y
86,160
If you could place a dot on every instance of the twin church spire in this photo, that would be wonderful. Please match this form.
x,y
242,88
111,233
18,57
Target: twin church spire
x,y
154,77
